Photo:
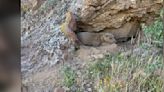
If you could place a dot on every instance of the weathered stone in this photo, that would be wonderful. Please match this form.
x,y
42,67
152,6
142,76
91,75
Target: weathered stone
x,y
59,90
31,4
113,15
89,89
127,30
41,37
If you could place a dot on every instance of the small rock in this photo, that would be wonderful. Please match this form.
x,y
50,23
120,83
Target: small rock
x,y
89,89
88,85
59,90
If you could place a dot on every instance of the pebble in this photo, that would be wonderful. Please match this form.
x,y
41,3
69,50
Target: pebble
x,y
59,90
89,89
88,85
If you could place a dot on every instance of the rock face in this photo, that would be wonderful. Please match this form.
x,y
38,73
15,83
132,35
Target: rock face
x,y
31,4
41,37
120,17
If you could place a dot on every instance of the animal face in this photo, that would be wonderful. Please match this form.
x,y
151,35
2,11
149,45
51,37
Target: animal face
x,y
109,38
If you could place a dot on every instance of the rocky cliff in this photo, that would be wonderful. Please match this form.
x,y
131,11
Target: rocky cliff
x,y
119,17
41,37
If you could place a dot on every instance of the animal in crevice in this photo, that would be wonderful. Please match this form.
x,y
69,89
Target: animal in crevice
x,y
69,27
96,39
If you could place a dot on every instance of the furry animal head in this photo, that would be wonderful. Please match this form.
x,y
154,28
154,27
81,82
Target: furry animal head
x,y
108,38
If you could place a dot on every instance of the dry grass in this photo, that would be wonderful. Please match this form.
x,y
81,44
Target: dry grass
x,y
137,71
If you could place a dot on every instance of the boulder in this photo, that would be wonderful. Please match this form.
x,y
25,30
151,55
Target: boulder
x,y
116,16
